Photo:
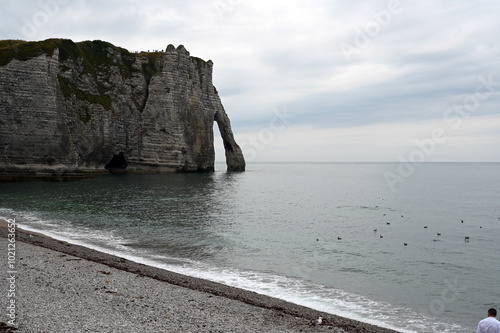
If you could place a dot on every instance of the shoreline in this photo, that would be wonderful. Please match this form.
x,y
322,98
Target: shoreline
x,y
297,316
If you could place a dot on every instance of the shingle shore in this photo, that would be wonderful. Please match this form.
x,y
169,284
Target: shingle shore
x,y
62,287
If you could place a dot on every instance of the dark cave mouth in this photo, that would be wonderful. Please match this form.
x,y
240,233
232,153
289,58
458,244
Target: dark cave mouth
x,y
117,164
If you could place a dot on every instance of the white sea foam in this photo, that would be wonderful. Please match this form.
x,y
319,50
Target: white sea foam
x,y
321,298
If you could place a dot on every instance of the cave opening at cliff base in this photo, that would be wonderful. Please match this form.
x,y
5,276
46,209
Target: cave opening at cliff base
x,y
117,164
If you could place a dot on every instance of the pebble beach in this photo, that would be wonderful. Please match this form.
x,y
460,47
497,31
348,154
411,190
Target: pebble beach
x,y
61,287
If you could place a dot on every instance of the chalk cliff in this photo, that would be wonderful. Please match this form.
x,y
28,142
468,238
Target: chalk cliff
x,y
68,109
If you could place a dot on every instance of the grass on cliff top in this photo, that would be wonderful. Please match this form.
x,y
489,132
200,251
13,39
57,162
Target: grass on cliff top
x,y
92,52
95,58
95,55
21,50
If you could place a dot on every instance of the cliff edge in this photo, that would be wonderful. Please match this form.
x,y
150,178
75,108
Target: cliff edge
x,y
70,109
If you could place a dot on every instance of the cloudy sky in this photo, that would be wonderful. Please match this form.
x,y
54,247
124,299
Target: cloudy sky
x,y
317,80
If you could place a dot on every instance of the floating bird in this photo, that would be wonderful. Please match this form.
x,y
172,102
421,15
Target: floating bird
x,y
339,238
374,230
386,214
462,221
381,236
317,239
316,322
406,244
402,216
388,223
467,238
426,226
439,234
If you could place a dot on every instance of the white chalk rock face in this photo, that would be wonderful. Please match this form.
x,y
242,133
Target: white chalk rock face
x,y
70,109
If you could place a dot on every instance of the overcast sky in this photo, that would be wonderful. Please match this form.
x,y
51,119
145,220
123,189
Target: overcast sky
x,y
317,80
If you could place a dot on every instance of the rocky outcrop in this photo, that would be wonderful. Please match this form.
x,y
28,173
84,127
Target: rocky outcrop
x,y
70,109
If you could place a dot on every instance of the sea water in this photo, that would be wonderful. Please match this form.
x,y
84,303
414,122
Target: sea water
x,y
330,236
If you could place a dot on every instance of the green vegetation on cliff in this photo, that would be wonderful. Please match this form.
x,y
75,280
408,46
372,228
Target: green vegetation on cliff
x,y
149,70
68,88
92,52
21,50
95,54
94,58
150,67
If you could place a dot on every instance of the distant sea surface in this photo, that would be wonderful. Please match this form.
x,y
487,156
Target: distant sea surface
x,y
330,236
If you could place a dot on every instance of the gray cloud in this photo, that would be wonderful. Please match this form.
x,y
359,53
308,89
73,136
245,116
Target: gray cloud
x,y
408,66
